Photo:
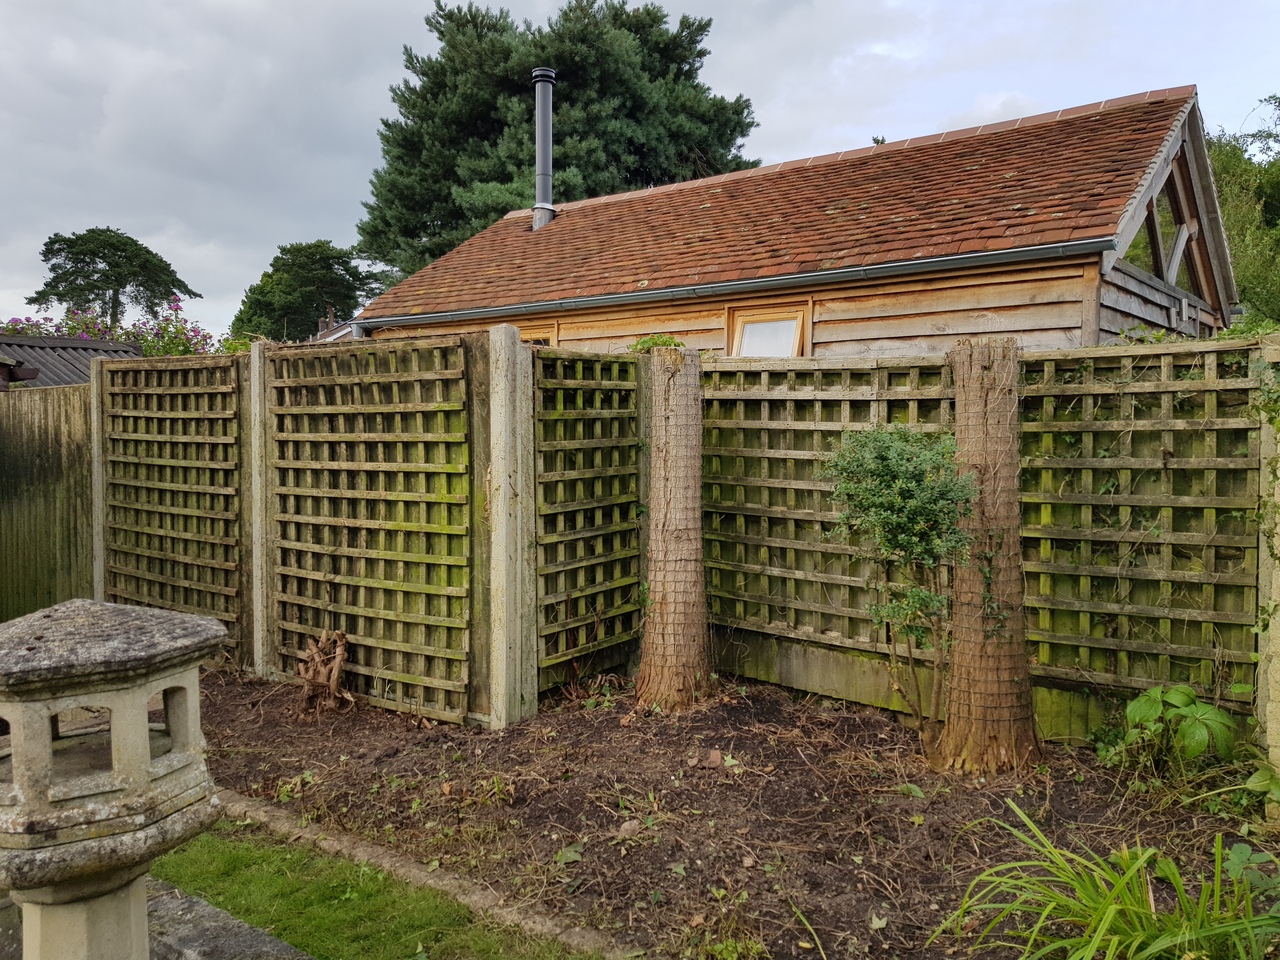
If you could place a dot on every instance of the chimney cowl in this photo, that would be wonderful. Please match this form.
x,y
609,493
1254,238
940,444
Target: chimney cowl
x,y
544,79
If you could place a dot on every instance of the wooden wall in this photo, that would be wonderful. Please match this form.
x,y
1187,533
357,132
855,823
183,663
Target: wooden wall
x,y
1130,297
1048,305
46,549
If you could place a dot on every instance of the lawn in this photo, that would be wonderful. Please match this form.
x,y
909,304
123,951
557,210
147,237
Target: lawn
x,y
334,909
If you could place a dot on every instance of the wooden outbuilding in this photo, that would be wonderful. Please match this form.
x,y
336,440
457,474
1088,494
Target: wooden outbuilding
x,y
1064,229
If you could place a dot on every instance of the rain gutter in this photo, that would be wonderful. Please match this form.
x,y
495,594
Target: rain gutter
x,y
896,268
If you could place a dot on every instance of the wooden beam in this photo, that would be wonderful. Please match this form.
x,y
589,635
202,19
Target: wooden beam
x,y
1185,232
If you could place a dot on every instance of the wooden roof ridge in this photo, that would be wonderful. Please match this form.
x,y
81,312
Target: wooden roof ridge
x,y
1187,92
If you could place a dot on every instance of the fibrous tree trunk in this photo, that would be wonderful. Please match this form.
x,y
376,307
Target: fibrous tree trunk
x,y
990,718
675,655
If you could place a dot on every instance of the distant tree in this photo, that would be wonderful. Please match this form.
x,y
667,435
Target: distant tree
x,y
1246,168
107,270
629,110
309,287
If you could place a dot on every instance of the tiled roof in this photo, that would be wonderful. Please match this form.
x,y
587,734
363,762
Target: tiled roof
x,y
62,360
1046,179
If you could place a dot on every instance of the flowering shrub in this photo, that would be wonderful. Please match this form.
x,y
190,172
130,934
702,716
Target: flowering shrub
x,y
169,335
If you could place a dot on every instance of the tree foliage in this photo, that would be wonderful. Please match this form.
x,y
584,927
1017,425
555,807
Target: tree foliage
x,y
1246,168
629,112
308,286
107,270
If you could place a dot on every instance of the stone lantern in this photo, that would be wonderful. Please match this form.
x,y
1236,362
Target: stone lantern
x,y
92,787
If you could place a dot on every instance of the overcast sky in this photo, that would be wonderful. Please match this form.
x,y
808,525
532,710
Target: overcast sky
x,y
215,130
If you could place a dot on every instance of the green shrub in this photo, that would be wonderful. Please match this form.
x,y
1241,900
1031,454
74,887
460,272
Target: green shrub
x,y
902,491
647,343
1167,730
1134,904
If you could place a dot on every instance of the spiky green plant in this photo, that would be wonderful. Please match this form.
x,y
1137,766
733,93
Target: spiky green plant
x,y
1133,905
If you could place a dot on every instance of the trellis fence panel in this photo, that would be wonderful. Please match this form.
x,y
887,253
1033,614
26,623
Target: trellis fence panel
x,y
1140,493
172,487
589,427
369,515
789,594
1140,490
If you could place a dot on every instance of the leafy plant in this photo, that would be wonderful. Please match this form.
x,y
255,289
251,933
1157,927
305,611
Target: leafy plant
x,y
902,491
1167,729
1133,904
647,343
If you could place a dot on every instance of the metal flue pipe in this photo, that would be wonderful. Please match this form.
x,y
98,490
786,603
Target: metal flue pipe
x,y
544,78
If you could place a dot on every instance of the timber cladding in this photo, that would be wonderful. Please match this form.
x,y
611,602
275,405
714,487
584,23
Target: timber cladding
x,y
369,500
1140,490
173,485
588,443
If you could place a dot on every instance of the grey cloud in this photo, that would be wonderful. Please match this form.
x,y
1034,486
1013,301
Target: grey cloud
x,y
215,130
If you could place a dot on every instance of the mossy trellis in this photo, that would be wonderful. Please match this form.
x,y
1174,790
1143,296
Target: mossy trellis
x,y
589,473
1140,490
776,571
370,506
173,486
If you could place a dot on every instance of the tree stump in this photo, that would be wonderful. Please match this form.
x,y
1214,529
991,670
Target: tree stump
x,y
321,672
675,654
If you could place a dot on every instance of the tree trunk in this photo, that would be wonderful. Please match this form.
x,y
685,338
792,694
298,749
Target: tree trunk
x,y
675,656
113,321
990,719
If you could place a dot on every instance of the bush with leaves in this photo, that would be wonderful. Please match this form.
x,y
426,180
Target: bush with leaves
x,y
1169,731
168,334
902,492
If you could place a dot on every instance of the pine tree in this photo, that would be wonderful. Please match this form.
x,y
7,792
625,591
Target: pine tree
x,y
629,112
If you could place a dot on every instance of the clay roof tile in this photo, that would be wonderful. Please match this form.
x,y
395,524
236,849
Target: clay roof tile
x,y
1037,180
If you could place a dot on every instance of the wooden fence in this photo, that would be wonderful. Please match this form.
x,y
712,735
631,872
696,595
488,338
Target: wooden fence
x,y
46,539
172,486
1141,486
369,505
589,477
471,514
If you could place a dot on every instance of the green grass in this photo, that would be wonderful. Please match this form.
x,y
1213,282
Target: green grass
x,y
334,909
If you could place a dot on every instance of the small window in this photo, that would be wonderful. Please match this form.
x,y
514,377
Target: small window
x,y
767,332
539,334
7,793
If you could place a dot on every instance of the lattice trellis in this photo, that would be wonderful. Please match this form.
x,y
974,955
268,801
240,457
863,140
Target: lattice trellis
x,y
1140,491
371,488
587,451
773,564
172,469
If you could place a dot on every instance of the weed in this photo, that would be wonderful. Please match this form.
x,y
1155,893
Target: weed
x,y
292,787
1167,730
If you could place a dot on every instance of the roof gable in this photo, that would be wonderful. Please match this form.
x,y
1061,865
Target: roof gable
x,y
1051,179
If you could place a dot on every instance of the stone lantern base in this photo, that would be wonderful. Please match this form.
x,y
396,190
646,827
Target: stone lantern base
x,y
101,926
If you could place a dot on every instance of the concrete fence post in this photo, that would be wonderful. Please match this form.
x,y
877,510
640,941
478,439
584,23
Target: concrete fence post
x,y
98,476
1267,676
257,462
512,530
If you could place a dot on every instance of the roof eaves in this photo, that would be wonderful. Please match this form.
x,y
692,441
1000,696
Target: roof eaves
x,y
757,284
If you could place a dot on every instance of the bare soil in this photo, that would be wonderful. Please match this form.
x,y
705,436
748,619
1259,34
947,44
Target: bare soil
x,y
760,817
